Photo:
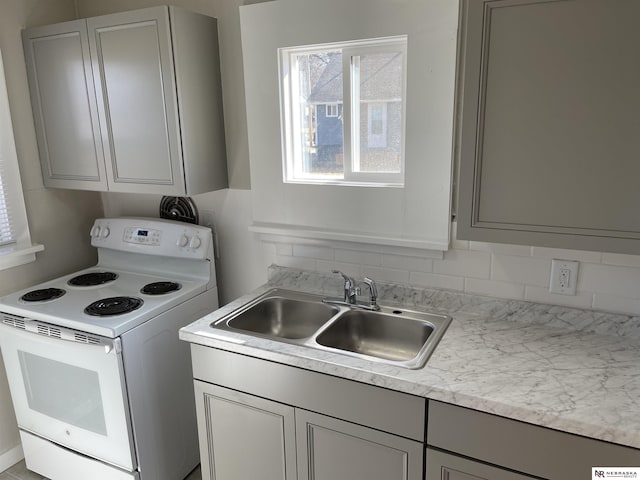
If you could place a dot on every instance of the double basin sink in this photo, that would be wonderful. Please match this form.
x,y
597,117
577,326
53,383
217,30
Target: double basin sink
x,y
393,336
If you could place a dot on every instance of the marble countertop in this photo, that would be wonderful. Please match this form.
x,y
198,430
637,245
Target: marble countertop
x,y
572,370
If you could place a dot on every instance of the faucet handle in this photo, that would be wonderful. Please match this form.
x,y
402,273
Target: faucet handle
x,y
347,278
349,288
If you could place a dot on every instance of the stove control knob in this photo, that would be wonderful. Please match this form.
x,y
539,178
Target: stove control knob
x,y
195,242
95,231
105,232
183,240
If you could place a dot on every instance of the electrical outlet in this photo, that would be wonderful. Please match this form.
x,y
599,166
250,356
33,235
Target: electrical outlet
x,y
564,277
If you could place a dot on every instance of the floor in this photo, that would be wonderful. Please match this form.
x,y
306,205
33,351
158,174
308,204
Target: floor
x,y
19,472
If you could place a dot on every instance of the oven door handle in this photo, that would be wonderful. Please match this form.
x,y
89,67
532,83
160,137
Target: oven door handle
x,y
56,333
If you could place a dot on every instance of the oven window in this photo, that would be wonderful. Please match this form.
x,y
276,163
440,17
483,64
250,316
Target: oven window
x,y
65,392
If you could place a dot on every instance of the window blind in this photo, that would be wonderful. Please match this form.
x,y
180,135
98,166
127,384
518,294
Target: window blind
x,y
6,225
15,241
10,187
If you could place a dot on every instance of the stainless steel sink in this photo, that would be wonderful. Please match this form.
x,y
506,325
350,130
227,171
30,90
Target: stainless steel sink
x,y
377,334
278,316
397,337
394,336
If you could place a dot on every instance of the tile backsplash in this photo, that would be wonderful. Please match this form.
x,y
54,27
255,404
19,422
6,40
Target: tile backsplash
x,y
606,282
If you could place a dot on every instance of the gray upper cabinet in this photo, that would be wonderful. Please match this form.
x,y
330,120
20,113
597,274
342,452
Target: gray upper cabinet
x,y
64,106
129,102
548,123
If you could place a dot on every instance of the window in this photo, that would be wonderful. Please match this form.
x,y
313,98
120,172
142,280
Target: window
x,y
342,109
15,242
332,110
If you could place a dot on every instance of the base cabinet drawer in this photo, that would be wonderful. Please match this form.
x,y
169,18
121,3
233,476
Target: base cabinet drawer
x,y
444,466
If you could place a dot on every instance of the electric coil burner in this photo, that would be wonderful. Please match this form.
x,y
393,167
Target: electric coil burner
x,y
42,295
92,279
160,288
113,306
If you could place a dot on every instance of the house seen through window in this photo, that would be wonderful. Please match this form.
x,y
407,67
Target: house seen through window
x,y
343,112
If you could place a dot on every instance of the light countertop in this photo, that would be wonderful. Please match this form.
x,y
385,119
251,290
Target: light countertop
x,y
572,370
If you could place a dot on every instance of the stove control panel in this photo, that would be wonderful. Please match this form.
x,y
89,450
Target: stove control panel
x,y
144,236
153,237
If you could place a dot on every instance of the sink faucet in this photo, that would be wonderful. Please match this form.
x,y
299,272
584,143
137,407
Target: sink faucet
x,y
351,291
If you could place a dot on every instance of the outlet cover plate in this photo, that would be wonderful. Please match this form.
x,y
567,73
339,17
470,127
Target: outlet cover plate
x,y
564,277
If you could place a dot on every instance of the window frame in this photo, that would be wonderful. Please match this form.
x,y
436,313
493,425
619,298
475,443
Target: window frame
x,y
19,250
292,171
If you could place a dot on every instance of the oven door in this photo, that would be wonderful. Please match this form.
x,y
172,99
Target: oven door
x,y
68,387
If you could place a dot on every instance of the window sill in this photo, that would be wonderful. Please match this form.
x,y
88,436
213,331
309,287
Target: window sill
x,y
13,255
398,246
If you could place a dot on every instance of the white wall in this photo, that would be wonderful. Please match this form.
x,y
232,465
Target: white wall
x,y
59,219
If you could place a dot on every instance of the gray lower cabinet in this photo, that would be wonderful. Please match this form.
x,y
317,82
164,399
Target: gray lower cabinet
x,y
129,102
260,419
331,449
243,436
489,447
444,466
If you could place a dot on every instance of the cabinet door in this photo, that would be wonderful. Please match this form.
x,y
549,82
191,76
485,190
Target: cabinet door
x,y
64,106
135,82
442,466
330,449
244,437
548,138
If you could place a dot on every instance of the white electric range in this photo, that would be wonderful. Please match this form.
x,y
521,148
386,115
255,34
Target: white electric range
x,y
101,384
